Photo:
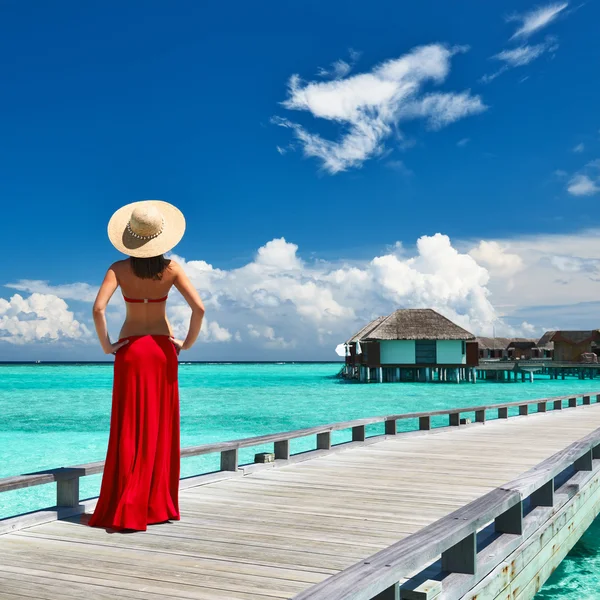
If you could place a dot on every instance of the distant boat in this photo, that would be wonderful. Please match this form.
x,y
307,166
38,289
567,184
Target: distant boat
x,y
37,362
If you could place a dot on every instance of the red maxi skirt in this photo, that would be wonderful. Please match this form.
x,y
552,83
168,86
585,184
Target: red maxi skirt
x,y
140,485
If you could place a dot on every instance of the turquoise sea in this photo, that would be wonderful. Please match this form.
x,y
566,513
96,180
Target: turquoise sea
x,y
58,415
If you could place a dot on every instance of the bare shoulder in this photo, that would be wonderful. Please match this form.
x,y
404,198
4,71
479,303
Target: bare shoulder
x,y
120,265
175,267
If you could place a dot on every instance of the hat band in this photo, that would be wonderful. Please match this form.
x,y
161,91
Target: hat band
x,y
145,237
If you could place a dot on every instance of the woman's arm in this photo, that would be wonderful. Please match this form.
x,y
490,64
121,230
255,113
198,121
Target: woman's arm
x,y
187,290
107,289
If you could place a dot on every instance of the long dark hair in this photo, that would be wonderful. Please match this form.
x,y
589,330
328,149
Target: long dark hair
x,y
149,268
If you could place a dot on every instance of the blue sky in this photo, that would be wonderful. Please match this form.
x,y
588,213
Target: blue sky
x,y
329,135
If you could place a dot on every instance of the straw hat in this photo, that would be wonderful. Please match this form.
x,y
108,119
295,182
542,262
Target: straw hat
x,y
146,228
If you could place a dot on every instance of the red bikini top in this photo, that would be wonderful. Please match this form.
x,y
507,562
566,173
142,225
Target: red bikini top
x,y
145,300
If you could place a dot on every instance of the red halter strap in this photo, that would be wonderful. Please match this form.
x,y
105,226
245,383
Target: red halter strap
x,y
145,300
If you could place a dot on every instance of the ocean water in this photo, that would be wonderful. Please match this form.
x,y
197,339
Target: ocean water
x,y
58,415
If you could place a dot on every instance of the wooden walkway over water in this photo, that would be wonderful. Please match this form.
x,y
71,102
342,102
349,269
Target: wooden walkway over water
x,y
354,521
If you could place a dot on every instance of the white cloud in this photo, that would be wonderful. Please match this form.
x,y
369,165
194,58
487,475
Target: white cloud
x,y
338,69
462,143
496,257
278,305
537,19
370,106
520,57
579,148
38,318
582,185
71,291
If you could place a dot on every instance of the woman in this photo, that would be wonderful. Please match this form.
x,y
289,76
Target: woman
x,y
141,475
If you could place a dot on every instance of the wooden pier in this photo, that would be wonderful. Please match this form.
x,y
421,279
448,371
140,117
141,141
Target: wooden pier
x,y
481,502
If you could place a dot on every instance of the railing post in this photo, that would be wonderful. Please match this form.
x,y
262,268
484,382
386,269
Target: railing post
x,y
462,557
282,449
524,410
587,400
67,492
358,433
480,416
229,460
454,419
503,412
544,496
597,397
324,440
558,405
596,452
424,423
572,402
392,593
510,521
585,462
391,427
542,407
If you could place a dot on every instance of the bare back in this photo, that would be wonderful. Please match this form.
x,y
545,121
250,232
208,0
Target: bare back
x,y
145,318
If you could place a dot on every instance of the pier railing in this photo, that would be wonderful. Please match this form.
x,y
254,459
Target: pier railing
x,y
468,544
67,478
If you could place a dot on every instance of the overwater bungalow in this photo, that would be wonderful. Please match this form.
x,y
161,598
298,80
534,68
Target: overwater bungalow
x,y
494,348
412,345
570,346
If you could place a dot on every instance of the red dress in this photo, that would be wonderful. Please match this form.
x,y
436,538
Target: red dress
x,y
140,484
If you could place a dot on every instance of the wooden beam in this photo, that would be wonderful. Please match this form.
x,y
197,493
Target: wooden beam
x,y
282,450
359,433
67,492
324,440
391,427
462,557
424,423
510,521
229,460
544,496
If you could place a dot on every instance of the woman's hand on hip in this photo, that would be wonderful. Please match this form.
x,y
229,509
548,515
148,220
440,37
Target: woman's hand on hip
x,y
112,348
177,343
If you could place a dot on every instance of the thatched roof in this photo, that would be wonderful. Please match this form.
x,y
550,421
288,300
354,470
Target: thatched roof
x,y
498,343
362,333
545,340
522,344
570,337
413,324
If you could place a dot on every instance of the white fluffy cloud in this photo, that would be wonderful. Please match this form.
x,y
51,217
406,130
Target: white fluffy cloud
x,y
582,185
39,318
370,106
587,181
536,19
497,258
70,291
280,301
279,305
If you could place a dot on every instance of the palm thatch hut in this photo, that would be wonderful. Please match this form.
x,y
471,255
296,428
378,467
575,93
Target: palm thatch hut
x,y
412,344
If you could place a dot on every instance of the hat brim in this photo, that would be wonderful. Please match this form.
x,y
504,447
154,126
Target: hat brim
x,y
170,236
